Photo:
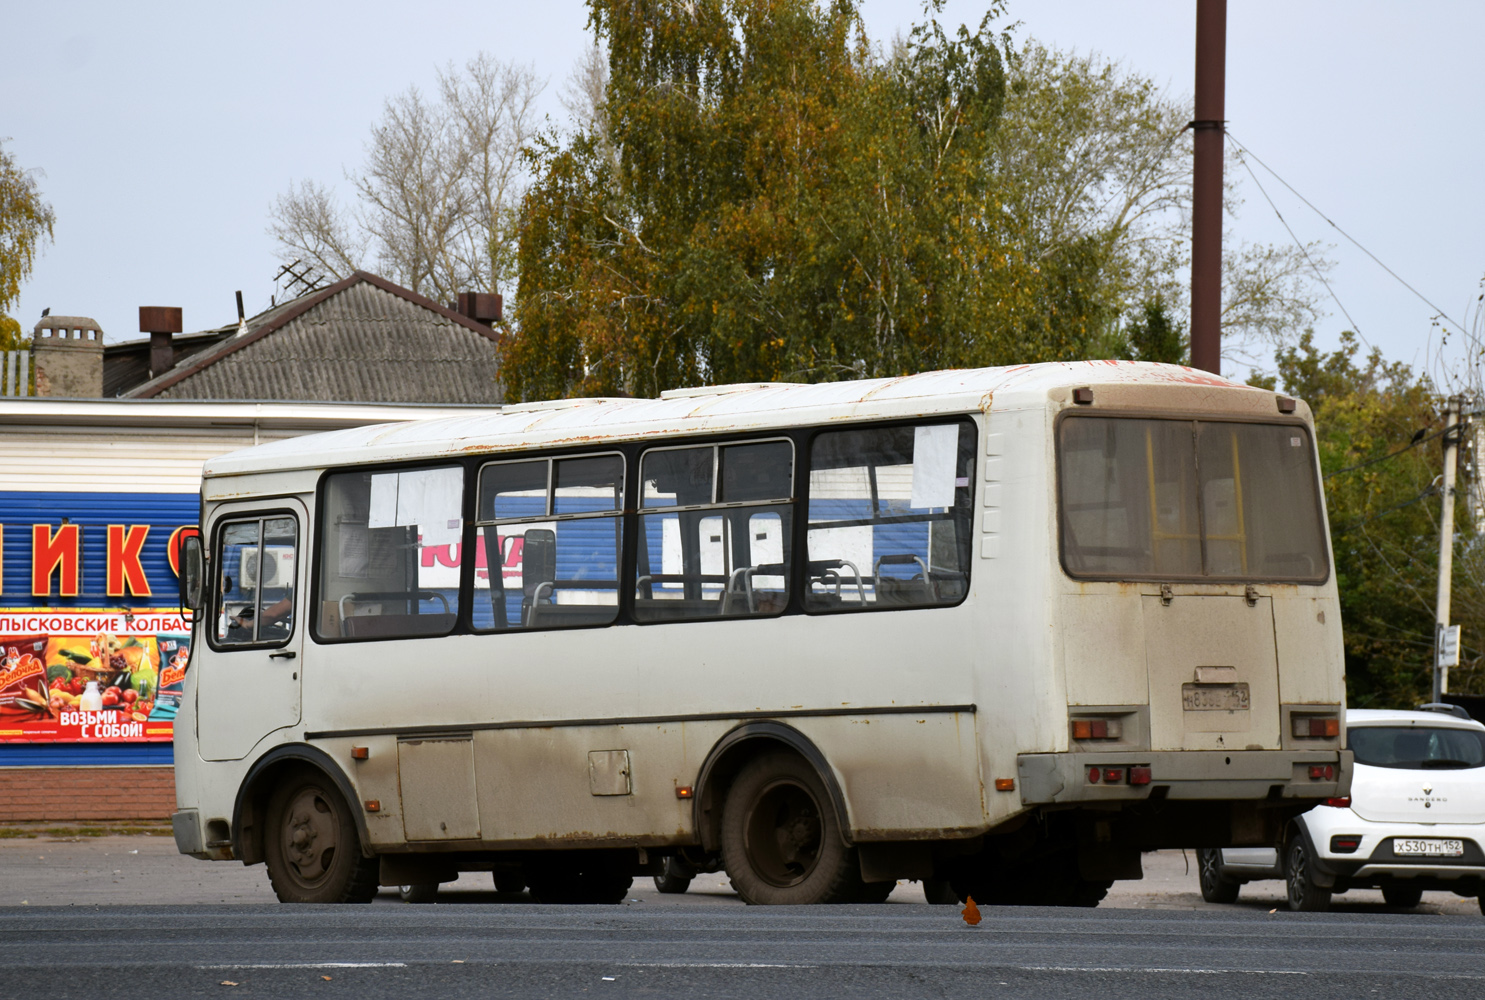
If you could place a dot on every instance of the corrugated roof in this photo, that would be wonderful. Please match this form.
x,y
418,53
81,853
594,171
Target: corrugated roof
x,y
362,339
721,409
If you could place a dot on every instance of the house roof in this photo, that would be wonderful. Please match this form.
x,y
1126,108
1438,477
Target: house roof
x,y
127,363
362,339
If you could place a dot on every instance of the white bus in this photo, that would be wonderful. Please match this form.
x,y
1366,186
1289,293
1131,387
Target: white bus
x,y
1003,629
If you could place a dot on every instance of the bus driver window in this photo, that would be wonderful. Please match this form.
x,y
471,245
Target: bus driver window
x,y
255,594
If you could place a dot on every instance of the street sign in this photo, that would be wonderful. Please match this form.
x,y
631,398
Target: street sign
x,y
1449,646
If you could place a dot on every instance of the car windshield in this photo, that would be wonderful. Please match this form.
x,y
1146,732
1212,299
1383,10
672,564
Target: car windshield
x,y
1416,747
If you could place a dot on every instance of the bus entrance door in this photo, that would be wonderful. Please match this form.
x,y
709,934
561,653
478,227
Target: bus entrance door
x,y
248,680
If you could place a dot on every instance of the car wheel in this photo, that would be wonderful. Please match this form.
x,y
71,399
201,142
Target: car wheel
x,y
939,892
509,882
1403,897
875,892
312,850
422,892
781,841
1215,886
676,878
1299,876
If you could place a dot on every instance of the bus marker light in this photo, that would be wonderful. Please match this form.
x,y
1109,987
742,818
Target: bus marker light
x,y
360,753
1317,726
684,792
1095,729
1139,775
1093,775
1113,775
1005,784
373,805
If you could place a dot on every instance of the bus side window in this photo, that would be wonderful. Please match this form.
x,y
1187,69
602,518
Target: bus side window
x,y
255,594
715,531
550,536
388,560
889,516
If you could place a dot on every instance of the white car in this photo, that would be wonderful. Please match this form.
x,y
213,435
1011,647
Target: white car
x,y
1415,819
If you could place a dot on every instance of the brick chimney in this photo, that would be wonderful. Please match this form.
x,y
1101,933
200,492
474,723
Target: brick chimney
x,y
161,323
482,307
68,352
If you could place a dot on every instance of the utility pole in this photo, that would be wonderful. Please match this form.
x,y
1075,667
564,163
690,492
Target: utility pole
x,y
1206,194
1453,414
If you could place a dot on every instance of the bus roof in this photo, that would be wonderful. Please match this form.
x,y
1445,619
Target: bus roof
x,y
748,407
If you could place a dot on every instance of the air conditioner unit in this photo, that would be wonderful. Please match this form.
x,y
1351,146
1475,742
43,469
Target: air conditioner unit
x,y
278,567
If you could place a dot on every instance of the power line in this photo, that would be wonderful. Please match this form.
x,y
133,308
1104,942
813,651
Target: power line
x,y
1397,277
1407,447
1428,492
1302,249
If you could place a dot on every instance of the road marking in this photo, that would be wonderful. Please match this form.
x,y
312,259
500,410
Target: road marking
x,y
310,965
1188,972
713,965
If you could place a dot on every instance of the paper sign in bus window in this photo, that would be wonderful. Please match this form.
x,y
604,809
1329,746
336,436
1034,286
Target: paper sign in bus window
x,y
935,450
428,499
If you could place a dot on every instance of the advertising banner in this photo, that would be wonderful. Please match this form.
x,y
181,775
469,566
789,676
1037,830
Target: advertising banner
x,y
105,676
92,643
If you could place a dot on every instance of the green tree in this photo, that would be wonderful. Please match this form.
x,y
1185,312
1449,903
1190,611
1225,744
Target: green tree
x,y
1151,334
770,200
1094,163
26,222
1384,518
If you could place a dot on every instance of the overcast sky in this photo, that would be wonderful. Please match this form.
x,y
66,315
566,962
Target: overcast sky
x,y
165,130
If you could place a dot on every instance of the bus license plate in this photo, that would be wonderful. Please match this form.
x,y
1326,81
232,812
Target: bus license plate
x,y
1214,697
1428,848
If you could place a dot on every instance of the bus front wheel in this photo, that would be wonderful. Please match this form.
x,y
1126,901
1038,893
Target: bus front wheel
x,y
781,840
312,850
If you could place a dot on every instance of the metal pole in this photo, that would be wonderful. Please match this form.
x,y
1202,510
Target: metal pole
x,y
1206,194
1452,410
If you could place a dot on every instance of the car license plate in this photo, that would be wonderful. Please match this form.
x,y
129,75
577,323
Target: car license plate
x,y
1430,848
1214,697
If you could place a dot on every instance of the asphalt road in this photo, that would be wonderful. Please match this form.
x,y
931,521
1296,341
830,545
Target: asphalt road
x,y
849,951
71,925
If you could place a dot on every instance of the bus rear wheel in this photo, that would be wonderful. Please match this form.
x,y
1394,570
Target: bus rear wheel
x,y
781,840
313,852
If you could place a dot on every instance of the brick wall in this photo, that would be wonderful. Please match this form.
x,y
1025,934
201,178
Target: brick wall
x,y
69,794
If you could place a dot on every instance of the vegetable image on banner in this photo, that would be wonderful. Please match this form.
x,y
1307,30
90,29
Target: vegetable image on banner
x,y
89,677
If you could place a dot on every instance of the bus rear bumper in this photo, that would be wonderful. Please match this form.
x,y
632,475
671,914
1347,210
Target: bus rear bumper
x,y
1232,775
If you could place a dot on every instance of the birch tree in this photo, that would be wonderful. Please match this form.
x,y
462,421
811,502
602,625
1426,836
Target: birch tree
x,y
436,198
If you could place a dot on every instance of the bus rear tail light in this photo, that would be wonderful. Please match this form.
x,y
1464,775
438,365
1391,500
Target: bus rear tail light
x,y
1093,775
1344,843
1113,775
1139,775
1322,772
1316,727
1096,729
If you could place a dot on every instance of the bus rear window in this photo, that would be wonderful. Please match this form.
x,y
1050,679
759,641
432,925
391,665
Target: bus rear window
x,y
1183,499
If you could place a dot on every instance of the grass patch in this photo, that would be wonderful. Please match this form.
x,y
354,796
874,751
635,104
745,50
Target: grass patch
x,y
30,832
